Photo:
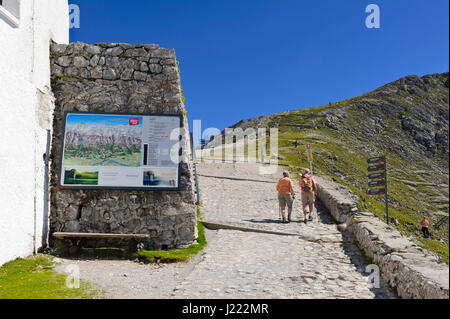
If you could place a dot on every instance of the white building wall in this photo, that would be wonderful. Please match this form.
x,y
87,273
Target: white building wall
x,y
25,116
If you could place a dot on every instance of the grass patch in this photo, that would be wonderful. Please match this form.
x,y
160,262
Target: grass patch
x,y
437,247
176,255
34,278
63,77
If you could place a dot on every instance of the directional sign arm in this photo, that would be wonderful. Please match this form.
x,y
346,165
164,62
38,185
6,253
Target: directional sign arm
x,y
373,168
376,191
377,183
375,160
375,175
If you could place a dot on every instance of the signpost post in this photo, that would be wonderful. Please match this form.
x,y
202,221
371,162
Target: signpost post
x,y
195,168
378,179
310,158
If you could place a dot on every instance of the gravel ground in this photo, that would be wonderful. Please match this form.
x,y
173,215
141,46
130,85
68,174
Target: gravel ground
x,y
125,279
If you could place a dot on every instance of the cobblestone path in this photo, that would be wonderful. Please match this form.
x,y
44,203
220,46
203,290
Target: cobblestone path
x,y
239,264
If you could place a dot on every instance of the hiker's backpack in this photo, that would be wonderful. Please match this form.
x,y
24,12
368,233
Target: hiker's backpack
x,y
307,184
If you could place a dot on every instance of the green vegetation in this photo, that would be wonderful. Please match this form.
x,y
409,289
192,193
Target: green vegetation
x,y
84,178
63,77
56,55
183,98
176,255
34,278
437,247
349,168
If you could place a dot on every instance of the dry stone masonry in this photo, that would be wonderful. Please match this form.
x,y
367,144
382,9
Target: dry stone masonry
x,y
411,272
121,78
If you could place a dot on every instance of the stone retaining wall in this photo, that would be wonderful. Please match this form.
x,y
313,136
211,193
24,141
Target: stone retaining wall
x,y
121,78
410,271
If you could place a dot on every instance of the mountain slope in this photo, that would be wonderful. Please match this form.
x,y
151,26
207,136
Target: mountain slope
x,y
407,120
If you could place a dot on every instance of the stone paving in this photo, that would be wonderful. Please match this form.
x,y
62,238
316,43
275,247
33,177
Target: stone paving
x,y
240,264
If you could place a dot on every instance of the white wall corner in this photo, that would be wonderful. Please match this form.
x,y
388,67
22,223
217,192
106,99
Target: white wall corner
x,y
45,108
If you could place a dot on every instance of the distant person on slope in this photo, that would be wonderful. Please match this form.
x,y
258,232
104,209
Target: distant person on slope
x,y
286,195
308,187
425,223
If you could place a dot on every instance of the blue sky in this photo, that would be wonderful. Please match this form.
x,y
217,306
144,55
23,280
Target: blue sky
x,y
241,59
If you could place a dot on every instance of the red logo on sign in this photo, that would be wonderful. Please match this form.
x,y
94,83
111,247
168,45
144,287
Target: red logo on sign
x,y
134,121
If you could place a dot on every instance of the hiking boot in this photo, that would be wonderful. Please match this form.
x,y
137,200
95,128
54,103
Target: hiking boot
x,y
305,220
289,218
310,217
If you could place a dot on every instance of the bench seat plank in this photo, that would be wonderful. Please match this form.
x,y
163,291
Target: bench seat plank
x,y
99,235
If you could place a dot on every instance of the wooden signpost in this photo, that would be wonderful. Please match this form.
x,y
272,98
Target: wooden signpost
x,y
376,183
378,179
373,168
375,175
375,160
376,191
310,158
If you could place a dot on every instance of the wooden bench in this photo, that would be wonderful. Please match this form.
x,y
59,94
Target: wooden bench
x,y
100,235
73,248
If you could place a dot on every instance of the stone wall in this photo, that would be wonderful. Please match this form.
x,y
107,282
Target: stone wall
x,y
125,79
412,272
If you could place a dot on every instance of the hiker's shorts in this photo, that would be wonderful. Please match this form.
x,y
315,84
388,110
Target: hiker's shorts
x,y
285,199
307,202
